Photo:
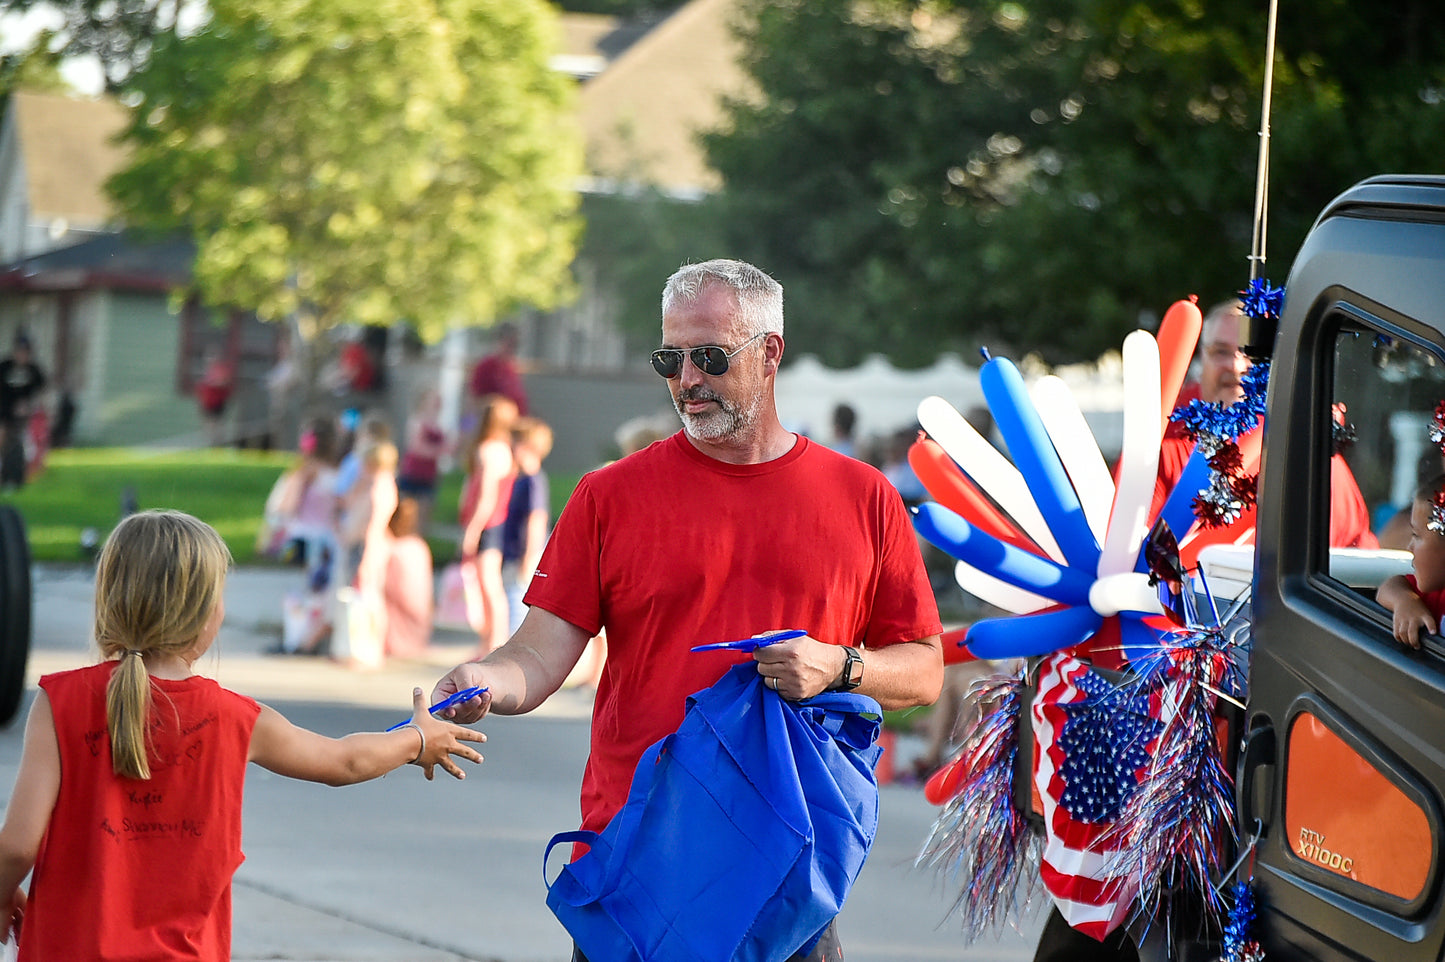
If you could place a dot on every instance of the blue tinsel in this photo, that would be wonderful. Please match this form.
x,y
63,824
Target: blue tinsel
x,y
1180,821
1261,300
1238,944
1210,421
981,837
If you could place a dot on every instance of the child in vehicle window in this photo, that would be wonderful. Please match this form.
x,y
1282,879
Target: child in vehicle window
x,y
1418,600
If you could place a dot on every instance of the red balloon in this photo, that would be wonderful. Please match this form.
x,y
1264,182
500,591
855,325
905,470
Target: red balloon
x,y
954,651
952,488
1178,335
945,783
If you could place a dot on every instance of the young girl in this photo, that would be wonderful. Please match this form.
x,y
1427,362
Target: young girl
x,y
128,798
1418,600
484,511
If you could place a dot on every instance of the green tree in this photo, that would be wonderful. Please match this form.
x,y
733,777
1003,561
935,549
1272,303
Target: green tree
x,y
1044,173
35,68
118,33
347,161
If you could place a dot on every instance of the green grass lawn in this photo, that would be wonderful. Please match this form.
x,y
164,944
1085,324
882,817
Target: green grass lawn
x,y
84,488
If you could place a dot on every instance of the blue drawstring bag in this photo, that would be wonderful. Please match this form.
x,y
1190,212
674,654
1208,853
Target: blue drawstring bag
x,y
741,835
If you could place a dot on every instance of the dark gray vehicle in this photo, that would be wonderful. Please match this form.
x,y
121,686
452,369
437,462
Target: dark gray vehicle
x,y
1341,773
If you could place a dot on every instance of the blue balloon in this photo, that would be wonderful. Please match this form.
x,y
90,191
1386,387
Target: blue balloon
x,y
1178,509
1034,455
1020,636
950,533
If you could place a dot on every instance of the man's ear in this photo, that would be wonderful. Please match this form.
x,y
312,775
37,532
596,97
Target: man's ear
x,y
773,346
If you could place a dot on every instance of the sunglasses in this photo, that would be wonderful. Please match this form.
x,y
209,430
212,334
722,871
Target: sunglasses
x,y
709,359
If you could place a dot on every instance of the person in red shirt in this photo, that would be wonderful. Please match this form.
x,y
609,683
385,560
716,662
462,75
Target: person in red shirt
x,y
134,848
730,528
213,393
497,373
1222,365
1417,600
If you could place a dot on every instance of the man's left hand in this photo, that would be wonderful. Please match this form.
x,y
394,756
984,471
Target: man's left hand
x,y
799,667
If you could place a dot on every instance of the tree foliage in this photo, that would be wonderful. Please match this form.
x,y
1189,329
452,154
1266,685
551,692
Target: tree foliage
x,y
1045,173
36,68
346,161
118,33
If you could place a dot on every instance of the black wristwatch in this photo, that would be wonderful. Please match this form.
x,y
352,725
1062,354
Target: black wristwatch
x,y
852,675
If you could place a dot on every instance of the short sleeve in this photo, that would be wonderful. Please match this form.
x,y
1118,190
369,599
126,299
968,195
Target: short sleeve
x,y
904,607
568,580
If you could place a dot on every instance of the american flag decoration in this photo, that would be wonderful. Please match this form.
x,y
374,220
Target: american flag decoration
x,y
1173,833
1092,743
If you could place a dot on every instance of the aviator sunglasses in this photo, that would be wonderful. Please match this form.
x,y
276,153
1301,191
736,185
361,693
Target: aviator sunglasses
x,y
709,359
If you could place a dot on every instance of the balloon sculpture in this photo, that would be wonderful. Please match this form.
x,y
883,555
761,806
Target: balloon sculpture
x,y
1051,536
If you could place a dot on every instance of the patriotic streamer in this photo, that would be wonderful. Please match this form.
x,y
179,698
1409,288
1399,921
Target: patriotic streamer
x,y
981,839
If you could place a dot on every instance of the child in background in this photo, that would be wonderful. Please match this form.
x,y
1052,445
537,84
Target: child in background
x,y
408,586
1418,600
134,847
524,533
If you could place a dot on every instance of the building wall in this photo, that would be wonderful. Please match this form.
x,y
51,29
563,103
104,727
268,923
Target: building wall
x,y
130,396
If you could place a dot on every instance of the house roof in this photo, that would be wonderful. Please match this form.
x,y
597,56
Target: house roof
x,y
120,261
68,148
641,116
591,41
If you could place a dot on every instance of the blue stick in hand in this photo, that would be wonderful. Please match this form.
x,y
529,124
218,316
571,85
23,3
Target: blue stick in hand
x,y
750,644
466,694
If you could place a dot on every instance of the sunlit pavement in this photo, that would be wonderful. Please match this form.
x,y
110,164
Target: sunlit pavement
x,y
402,869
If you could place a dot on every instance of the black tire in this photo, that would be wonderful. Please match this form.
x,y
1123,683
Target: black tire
x,y
15,611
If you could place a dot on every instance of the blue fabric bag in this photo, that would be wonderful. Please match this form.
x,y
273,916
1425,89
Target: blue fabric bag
x,y
741,835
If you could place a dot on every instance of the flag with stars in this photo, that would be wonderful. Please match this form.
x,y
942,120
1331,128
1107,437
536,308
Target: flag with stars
x,y
1091,748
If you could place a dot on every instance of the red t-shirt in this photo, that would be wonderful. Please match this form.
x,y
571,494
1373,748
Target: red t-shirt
x,y
669,548
132,869
1434,601
497,374
1349,516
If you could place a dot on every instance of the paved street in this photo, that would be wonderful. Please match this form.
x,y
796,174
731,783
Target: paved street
x,y
402,869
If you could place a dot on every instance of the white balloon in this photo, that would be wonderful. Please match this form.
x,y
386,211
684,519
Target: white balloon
x,y
1139,459
989,469
1074,441
998,593
1129,591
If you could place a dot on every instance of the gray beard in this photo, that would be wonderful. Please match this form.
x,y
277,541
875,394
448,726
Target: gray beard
x,y
726,421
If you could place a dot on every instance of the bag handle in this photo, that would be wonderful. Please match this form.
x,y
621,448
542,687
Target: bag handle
x,y
853,720
626,826
580,835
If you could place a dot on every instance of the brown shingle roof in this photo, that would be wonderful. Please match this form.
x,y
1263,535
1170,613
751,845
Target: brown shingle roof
x,y
69,154
642,115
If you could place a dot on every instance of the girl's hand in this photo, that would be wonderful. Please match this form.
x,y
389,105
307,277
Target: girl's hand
x,y
441,740
15,917
1412,619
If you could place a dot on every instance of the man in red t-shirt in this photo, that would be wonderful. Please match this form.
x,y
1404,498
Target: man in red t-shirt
x,y
730,528
497,372
1221,367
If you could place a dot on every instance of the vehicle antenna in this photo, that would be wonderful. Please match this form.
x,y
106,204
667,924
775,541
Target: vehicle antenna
x,y
1261,183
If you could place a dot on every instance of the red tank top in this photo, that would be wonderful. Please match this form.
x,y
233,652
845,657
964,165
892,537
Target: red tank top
x,y
132,869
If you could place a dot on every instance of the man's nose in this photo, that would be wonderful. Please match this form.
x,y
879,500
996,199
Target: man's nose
x,y
688,374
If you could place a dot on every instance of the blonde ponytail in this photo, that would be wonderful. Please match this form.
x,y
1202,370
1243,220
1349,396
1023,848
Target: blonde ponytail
x,y
158,582
127,712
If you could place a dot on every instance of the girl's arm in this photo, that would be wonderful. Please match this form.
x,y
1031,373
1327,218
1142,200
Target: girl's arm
x,y
1411,616
28,815
295,752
